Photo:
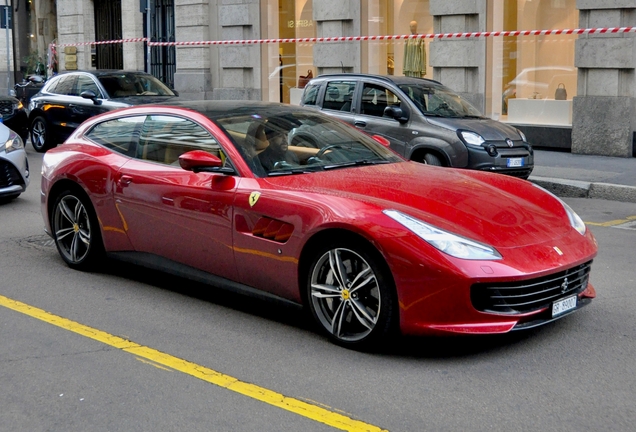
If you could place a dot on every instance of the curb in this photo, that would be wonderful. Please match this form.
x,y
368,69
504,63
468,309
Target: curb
x,y
580,189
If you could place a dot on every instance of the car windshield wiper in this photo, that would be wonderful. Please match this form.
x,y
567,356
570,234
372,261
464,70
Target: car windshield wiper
x,y
290,172
473,116
357,163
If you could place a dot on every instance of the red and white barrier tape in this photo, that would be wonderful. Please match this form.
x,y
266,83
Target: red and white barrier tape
x,y
606,30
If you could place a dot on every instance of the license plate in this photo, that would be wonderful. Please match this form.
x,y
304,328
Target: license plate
x,y
561,306
515,162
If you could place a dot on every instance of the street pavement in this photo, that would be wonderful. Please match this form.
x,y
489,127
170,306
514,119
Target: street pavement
x,y
585,176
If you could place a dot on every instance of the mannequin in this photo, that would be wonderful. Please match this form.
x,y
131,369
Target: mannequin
x,y
414,55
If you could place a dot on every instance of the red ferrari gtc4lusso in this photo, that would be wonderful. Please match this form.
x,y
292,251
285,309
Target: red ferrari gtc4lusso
x,y
286,202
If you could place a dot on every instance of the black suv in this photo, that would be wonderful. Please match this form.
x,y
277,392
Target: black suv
x,y
423,120
66,100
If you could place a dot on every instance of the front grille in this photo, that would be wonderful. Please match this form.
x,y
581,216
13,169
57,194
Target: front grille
x,y
529,295
6,107
9,175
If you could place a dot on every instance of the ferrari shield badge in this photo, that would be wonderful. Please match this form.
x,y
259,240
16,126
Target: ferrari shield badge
x,y
254,196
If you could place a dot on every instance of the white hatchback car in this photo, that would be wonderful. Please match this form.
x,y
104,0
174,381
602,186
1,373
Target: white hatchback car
x,y
14,167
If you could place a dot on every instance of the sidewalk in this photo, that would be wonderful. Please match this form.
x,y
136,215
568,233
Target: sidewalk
x,y
584,176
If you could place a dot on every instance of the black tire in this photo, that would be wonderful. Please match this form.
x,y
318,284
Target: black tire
x,y
41,138
431,159
76,231
356,310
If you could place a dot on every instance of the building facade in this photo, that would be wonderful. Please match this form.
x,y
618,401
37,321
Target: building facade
x,y
574,91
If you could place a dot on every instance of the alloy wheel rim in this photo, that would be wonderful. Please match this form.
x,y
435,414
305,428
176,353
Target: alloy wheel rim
x,y
72,229
345,294
39,133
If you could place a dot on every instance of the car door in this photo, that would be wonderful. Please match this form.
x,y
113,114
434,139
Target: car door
x,y
337,99
79,108
370,118
55,104
173,213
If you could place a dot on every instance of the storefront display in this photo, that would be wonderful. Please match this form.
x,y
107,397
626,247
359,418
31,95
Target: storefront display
x,y
526,71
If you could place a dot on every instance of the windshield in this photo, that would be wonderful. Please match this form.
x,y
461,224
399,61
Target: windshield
x,y
128,84
297,142
439,101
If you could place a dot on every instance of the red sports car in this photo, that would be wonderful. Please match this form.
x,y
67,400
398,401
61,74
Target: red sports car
x,y
287,202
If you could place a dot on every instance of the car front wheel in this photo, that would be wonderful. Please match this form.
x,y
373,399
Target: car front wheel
x,y
351,294
76,230
431,159
40,136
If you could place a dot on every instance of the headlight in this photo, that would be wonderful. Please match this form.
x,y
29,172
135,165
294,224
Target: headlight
x,y
451,244
522,135
575,220
13,143
471,138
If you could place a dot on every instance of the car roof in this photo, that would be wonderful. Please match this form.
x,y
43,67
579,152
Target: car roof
x,y
102,72
222,108
396,79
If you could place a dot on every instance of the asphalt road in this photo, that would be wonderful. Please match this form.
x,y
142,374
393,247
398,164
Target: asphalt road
x,y
209,360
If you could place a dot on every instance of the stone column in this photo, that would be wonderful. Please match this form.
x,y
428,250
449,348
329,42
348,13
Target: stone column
x,y
75,23
460,64
239,66
604,109
337,18
132,26
194,21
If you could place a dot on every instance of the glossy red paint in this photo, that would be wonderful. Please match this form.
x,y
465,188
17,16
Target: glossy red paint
x,y
210,221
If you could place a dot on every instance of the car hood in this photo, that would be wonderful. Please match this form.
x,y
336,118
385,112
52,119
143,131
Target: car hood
x,y
489,129
499,210
145,100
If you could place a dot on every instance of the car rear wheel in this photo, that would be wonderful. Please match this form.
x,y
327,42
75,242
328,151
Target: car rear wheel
x,y
350,294
76,230
431,159
40,136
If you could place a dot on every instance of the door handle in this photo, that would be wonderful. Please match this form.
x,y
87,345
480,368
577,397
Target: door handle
x,y
360,123
124,180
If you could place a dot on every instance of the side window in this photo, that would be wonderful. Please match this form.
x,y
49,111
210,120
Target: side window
x,y
86,83
119,135
339,95
164,138
310,95
65,85
376,98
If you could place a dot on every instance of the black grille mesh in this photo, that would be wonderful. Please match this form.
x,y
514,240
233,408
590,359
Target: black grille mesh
x,y
6,107
530,295
9,175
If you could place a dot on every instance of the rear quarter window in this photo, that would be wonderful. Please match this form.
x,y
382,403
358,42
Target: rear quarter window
x,y
310,95
120,135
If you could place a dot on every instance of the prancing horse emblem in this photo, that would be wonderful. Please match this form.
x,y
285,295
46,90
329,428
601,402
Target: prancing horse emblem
x,y
254,196
564,286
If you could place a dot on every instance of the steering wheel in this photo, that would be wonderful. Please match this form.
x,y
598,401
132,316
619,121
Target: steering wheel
x,y
326,149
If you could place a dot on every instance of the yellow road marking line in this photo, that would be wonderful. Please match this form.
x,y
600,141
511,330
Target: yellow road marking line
x,y
296,406
612,222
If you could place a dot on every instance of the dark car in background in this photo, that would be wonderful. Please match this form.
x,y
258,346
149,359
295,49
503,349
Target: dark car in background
x,y
423,120
68,99
14,116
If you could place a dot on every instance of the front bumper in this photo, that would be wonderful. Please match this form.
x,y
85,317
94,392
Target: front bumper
x,y
14,173
479,159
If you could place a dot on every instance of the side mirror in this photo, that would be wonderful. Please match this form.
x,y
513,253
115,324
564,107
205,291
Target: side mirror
x,y
90,94
396,113
199,160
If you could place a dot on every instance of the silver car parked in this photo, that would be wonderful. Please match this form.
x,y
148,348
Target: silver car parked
x,y
14,166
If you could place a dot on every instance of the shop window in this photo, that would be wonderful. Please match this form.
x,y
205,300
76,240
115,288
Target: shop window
x,y
525,72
